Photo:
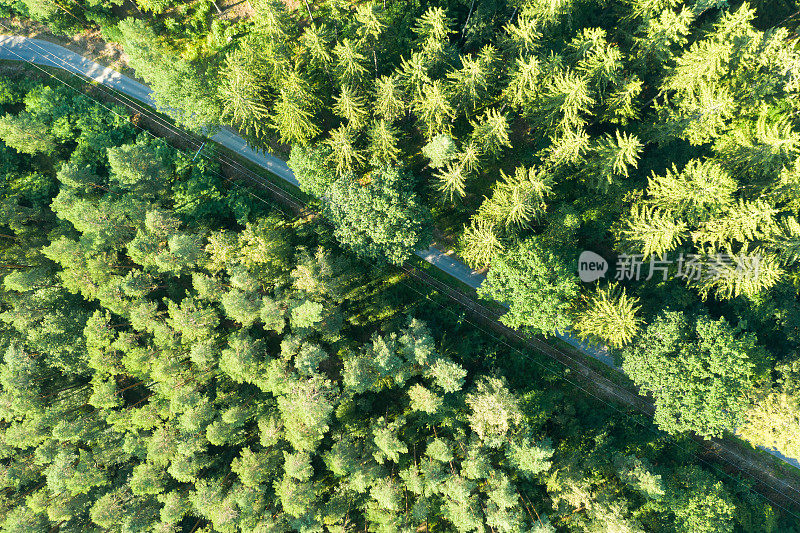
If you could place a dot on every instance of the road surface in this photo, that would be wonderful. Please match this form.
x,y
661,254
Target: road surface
x,y
45,53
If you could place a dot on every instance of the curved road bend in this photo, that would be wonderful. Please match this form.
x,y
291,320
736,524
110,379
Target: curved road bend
x,y
45,53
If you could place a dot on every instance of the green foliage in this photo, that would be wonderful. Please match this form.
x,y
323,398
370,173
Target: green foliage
x,y
440,150
174,357
26,135
537,286
182,89
699,372
609,317
380,219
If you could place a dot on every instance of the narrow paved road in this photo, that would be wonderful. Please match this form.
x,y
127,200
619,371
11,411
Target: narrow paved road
x,y
14,47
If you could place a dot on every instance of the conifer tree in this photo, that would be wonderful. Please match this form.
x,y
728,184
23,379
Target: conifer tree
x,y
524,83
490,132
611,157
370,29
292,119
609,316
701,190
316,41
344,155
433,109
242,92
432,30
452,181
650,231
383,143
480,243
350,105
440,150
517,199
568,147
26,134
567,98
349,64
523,35
468,84
389,97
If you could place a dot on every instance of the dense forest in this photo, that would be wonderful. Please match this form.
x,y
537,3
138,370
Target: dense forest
x,y
178,355
524,132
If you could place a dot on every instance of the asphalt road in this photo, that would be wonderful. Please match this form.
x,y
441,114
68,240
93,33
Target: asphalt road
x,y
45,53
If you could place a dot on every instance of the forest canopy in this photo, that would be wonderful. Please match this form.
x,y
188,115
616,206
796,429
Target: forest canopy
x,y
178,354
517,133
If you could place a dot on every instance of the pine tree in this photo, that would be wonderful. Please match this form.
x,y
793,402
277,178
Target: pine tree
x,y
385,437
432,30
350,62
26,134
433,109
517,199
568,147
611,157
243,307
350,105
479,243
701,190
292,119
524,82
567,97
316,40
344,155
609,317
389,98
490,132
523,36
370,29
452,181
242,92
383,143
424,400
468,85
650,231
494,411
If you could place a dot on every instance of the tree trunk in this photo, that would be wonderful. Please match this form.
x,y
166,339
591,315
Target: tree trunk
x,y
308,7
469,16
